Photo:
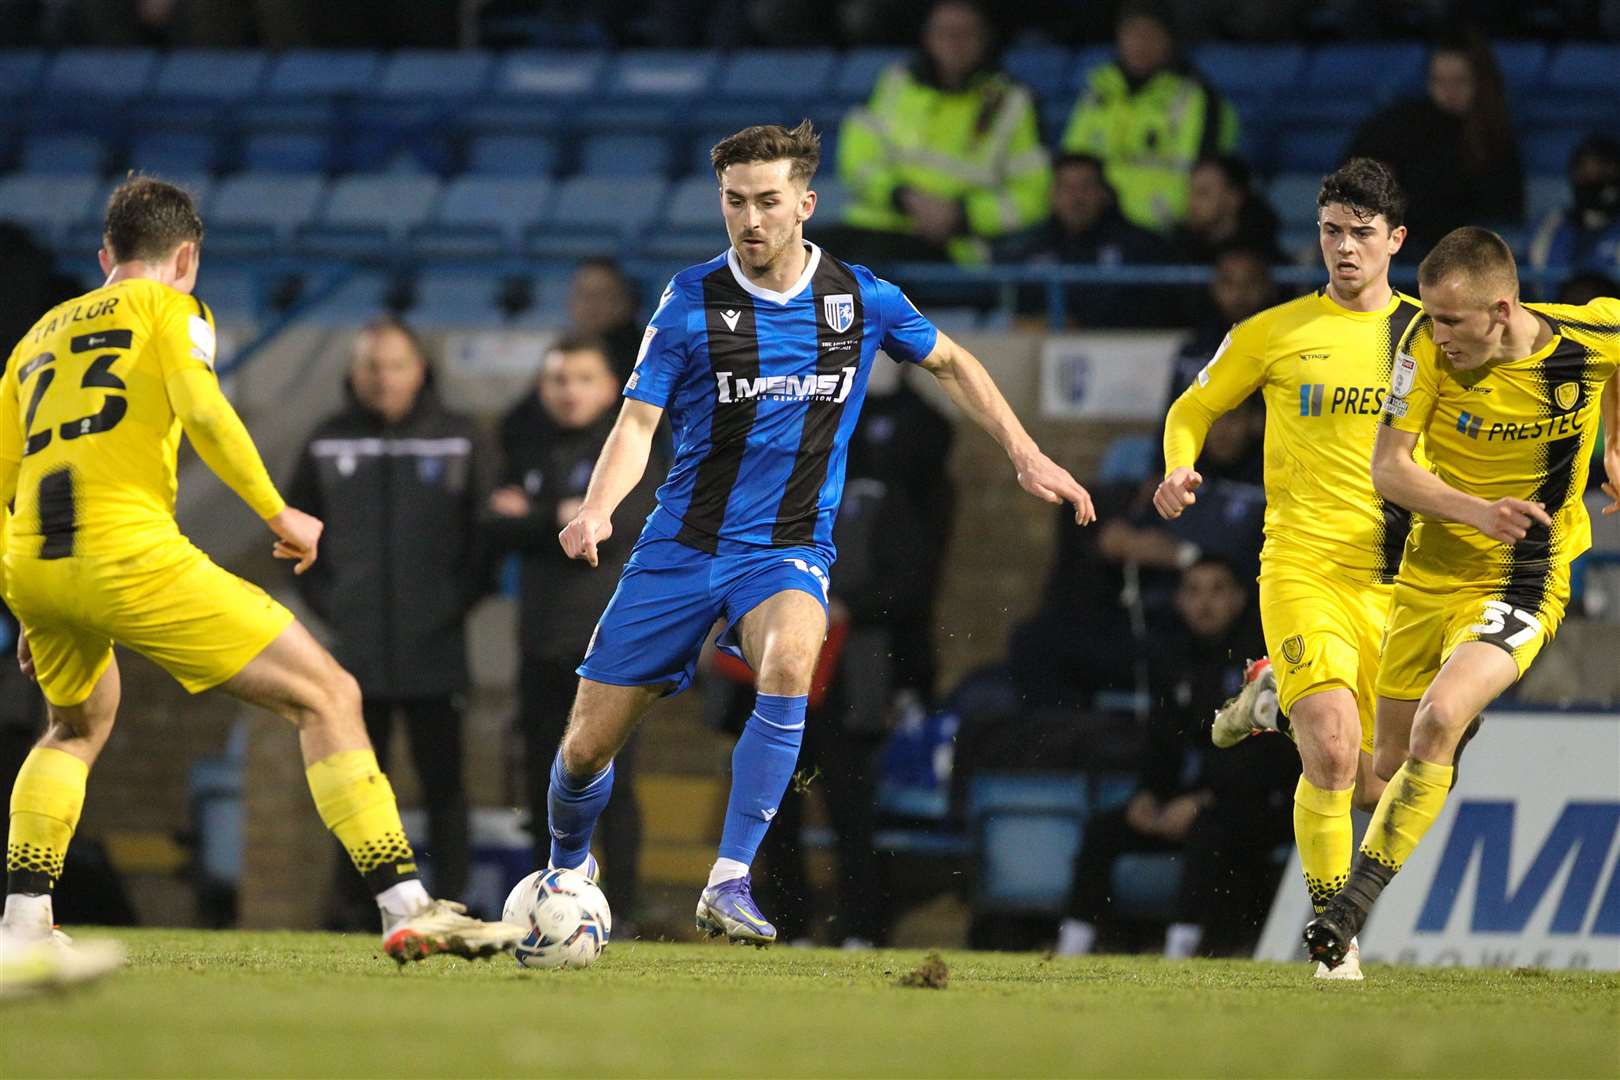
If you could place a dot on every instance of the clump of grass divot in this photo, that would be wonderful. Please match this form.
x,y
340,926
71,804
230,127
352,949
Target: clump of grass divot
x,y
931,974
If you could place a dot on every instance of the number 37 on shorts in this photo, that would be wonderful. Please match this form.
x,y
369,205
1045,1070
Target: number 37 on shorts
x,y
1426,626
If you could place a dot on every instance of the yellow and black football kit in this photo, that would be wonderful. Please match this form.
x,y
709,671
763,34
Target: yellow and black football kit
x,y
92,404
1519,429
1332,545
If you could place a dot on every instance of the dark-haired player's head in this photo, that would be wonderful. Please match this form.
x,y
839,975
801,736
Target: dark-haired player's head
x,y
765,195
577,383
1210,597
1217,190
1081,194
1144,38
153,226
1469,283
1361,224
958,39
388,368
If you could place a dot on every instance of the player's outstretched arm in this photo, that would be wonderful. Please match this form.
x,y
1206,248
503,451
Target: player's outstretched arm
x,y
1609,406
1401,480
965,382
618,470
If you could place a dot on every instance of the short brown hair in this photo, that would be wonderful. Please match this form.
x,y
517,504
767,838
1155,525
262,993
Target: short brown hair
x,y
1367,188
148,218
771,142
1479,255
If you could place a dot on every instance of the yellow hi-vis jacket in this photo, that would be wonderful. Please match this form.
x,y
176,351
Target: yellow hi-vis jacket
x,y
1150,138
980,146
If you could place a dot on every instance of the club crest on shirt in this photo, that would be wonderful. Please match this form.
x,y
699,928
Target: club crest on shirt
x,y
1566,395
1294,649
839,311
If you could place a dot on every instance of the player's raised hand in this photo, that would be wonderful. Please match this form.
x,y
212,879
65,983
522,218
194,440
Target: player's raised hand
x,y
298,535
1175,492
580,536
1046,479
1509,520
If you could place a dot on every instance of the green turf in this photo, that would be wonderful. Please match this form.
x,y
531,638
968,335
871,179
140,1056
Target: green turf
x,y
197,1003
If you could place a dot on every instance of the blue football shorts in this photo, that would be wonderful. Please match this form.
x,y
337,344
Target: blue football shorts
x,y
670,595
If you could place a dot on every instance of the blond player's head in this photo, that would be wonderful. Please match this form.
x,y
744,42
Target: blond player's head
x,y
1469,284
152,230
1361,224
765,195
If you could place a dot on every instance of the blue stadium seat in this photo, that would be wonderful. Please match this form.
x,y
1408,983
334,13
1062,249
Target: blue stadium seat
x,y
251,210
624,155
99,73
668,75
483,215
217,75
20,73
694,203
1028,828
858,73
1547,151
1543,195
1250,68
1047,70
512,155
285,152
1391,71
760,75
164,153
548,308
46,205
1585,67
320,73
1293,196
1586,110
457,298
1523,64
831,197
549,74
1309,149
358,298
59,153
231,292
434,74
596,215
369,214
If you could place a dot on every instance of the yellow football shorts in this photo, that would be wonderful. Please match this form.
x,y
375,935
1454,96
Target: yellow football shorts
x,y
1323,629
1431,616
171,604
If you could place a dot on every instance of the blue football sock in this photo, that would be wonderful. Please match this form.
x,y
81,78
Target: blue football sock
x,y
761,766
572,807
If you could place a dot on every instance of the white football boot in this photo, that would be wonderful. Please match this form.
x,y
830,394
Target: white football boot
x,y
445,927
34,965
1252,710
1349,969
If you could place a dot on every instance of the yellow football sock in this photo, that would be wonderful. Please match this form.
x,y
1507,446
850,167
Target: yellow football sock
x,y
1323,835
45,804
356,801
1414,798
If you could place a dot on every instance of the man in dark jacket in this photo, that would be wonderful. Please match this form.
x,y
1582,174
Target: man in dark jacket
x,y
550,441
397,478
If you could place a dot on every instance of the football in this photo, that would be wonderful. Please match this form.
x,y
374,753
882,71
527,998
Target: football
x,y
568,919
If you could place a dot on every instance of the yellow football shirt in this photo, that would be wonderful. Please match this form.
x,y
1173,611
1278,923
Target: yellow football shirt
x,y
91,408
1522,429
1323,371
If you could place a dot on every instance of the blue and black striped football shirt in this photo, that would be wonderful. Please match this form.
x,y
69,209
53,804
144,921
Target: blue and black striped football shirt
x,y
763,390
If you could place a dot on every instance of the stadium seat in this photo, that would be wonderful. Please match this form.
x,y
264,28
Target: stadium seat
x,y
285,152
1585,67
1585,110
231,292
434,74
368,215
1543,195
548,308
1309,149
1331,68
322,73
457,298
858,73
1027,828
831,196
691,229
166,153
624,155
596,215
1523,65
250,210
1251,68
483,215
1047,70
1547,151
755,76
218,75
58,153
46,205
99,74
1293,196
352,301
549,74
20,73
667,75
512,155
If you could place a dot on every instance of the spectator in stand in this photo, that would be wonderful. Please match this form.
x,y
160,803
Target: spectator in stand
x,y
946,156
1221,814
1224,210
602,305
1241,287
550,441
1150,117
1585,236
1453,150
1087,229
399,481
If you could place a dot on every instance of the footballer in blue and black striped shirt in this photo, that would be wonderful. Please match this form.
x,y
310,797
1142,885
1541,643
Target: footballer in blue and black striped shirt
x,y
761,358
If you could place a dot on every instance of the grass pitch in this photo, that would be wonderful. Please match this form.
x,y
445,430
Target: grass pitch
x,y
199,1003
